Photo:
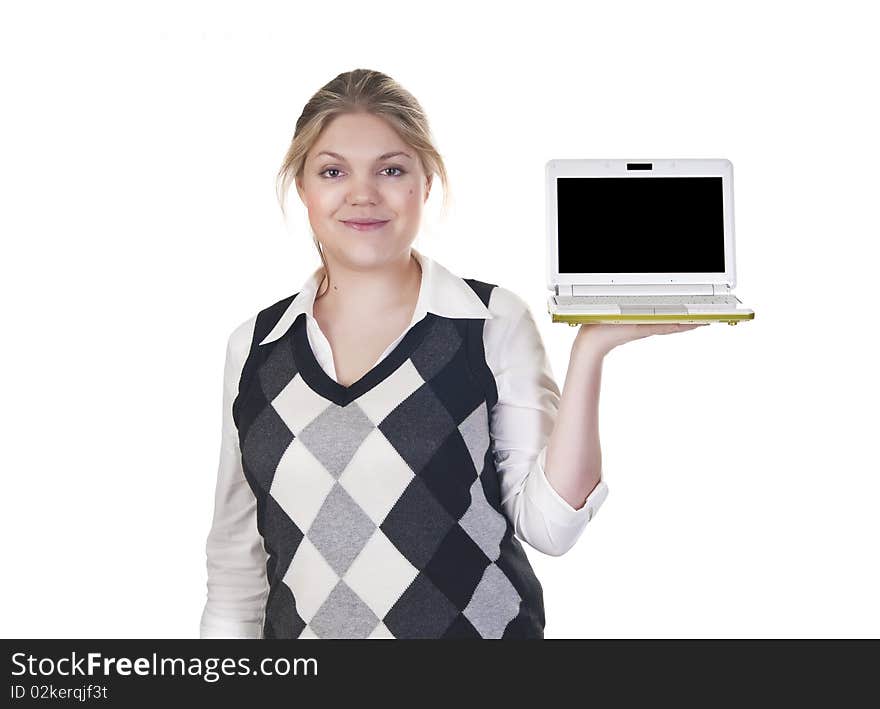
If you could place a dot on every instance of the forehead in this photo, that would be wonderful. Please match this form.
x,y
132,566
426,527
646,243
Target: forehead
x,y
358,137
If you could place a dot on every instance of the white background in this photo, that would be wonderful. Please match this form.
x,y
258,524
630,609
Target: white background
x,y
139,226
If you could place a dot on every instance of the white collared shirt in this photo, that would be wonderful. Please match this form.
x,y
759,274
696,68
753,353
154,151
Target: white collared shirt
x,y
520,425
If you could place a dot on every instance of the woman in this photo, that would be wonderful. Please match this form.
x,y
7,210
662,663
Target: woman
x,y
390,431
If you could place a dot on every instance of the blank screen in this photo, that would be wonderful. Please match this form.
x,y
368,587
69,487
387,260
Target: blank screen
x,y
640,224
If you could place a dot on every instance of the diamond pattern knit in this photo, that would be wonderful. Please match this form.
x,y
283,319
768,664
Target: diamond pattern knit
x,y
379,503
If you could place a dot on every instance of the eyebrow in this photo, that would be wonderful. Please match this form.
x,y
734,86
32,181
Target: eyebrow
x,y
384,156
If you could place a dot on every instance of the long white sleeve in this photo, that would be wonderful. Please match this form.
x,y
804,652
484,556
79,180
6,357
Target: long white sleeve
x,y
236,557
521,423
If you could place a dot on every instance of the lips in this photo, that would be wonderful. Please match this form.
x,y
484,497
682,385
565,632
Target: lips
x,y
365,225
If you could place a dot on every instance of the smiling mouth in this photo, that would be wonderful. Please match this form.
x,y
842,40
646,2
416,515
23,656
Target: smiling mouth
x,y
365,226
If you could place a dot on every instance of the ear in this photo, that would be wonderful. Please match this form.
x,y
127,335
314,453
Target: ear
x,y
428,183
299,191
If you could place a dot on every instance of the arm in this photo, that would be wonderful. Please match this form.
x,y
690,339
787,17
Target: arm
x,y
236,558
522,422
574,458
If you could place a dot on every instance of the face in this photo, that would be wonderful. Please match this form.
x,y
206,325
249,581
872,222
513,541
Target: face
x,y
358,183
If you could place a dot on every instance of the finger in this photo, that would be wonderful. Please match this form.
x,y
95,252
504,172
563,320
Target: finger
x,y
676,327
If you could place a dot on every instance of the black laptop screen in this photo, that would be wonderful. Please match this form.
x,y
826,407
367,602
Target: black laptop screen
x,y
640,225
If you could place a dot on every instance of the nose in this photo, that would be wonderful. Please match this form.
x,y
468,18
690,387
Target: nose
x,y
362,191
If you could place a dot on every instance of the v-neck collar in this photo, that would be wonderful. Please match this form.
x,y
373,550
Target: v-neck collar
x,y
322,383
441,292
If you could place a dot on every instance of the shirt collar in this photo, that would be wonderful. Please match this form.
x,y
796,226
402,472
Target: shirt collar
x,y
441,292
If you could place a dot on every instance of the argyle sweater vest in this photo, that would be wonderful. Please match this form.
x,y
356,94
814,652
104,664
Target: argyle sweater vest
x,y
379,503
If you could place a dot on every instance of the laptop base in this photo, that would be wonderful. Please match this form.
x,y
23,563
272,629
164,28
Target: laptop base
x,y
626,319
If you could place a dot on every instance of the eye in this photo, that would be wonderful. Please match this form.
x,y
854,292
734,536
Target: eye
x,y
335,169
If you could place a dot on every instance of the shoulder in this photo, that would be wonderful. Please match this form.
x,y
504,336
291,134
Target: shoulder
x,y
252,330
512,323
505,305
511,337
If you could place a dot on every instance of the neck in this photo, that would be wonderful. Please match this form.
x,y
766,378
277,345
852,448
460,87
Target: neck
x,y
360,292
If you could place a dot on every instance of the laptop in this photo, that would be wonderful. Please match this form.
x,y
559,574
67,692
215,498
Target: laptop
x,y
641,241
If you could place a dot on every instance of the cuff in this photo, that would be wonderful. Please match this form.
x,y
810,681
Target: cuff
x,y
553,505
213,627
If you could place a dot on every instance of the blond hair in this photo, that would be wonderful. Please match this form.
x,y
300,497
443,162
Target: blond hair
x,y
360,91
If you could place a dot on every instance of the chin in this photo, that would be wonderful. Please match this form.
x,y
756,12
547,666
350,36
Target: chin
x,y
366,252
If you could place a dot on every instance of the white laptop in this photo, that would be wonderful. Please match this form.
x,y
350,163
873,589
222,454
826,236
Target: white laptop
x,y
641,241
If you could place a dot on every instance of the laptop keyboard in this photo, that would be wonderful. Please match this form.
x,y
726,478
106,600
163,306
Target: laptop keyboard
x,y
646,299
